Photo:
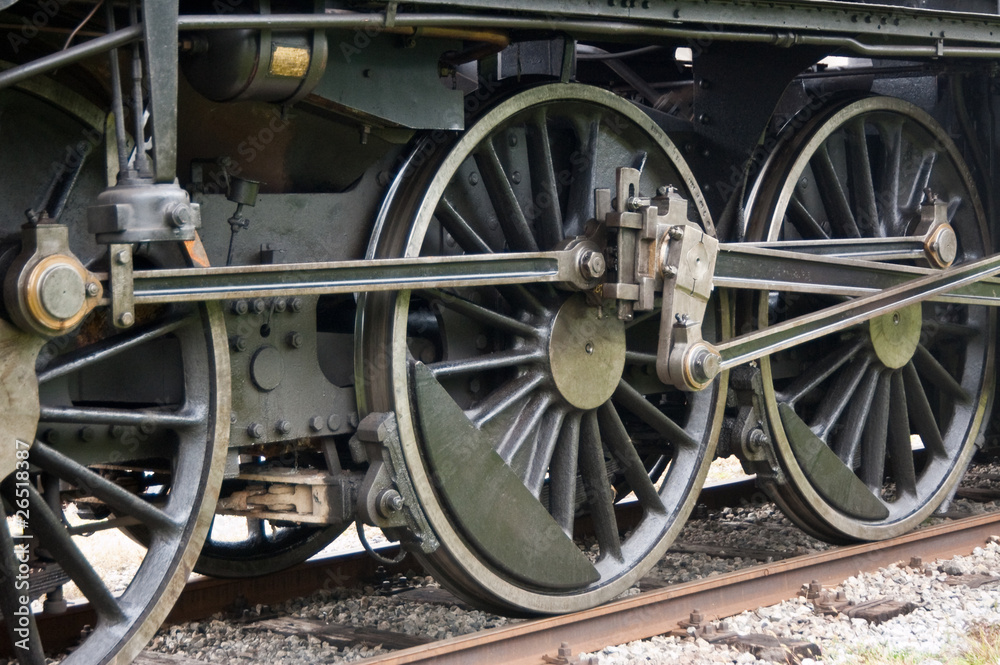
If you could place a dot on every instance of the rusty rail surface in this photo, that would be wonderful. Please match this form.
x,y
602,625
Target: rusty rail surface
x,y
657,612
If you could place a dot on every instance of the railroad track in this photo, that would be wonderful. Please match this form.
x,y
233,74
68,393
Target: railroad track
x,y
658,611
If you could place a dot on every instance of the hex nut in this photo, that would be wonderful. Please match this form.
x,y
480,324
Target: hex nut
x,y
316,424
255,430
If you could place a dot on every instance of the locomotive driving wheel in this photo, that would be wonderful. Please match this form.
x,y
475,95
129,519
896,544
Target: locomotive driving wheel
x,y
873,427
97,418
521,408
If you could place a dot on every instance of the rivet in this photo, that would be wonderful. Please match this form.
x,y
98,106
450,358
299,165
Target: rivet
x,y
512,140
589,348
515,177
51,436
473,178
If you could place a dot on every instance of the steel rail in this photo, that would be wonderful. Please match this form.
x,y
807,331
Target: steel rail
x,y
204,596
656,612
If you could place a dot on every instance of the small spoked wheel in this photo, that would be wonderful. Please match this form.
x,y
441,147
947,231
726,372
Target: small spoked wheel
x,y
523,408
874,426
97,418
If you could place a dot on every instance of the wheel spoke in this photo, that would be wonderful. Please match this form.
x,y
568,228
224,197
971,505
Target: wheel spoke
x,y
460,230
117,498
487,362
900,449
873,444
622,449
108,348
804,222
866,212
515,227
937,375
563,474
922,179
598,489
848,439
484,315
921,414
818,372
544,187
580,204
107,416
523,429
504,396
634,402
541,454
836,399
834,197
53,535
892,138
10,603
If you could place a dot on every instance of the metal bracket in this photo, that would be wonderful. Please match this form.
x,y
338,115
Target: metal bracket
x,y
388,499
122,297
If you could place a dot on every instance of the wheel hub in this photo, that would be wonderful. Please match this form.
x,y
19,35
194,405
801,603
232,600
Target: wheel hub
x,y
895,335
586,353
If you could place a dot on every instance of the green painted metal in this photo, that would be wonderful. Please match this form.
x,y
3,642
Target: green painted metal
x,y
827,473
498,513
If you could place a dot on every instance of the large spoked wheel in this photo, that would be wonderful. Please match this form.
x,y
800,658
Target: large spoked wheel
x,y
873,426
520,408
117,413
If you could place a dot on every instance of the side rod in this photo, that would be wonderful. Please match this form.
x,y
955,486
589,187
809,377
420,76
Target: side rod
x,y
802,329
223,283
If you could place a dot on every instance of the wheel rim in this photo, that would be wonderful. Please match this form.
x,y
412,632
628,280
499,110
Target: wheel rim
x,y
492,359
863,168
101,429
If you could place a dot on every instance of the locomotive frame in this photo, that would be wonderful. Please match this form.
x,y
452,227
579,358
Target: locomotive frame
x,y
492,272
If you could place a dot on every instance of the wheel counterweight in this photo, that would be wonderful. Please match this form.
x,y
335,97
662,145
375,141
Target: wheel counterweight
x,y
872,427
522,408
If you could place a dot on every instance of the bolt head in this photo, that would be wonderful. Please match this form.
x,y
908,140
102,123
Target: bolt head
x,y
239,307
123,257
93,289
126,319
676,232
283,427
316,423
295,304
294,339
181,216
259,306
592,265
255,430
